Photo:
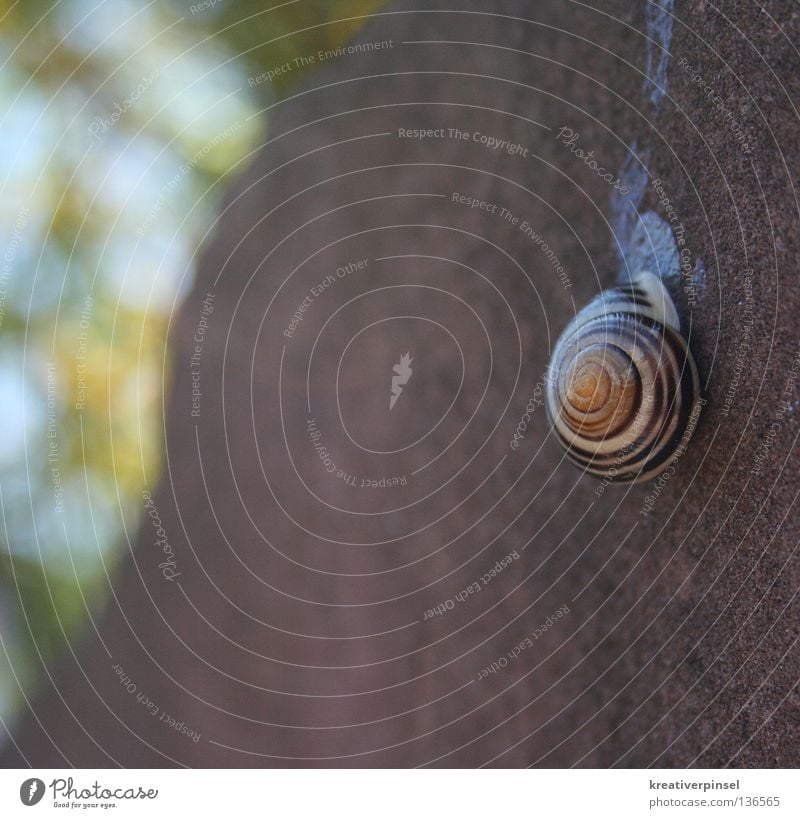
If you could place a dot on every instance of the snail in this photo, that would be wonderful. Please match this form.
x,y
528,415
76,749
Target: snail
x,y
622,389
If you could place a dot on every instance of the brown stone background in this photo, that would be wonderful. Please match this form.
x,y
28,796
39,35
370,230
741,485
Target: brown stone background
x,y
296,632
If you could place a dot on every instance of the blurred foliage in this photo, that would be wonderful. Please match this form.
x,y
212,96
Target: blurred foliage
x,y
120,123
271,38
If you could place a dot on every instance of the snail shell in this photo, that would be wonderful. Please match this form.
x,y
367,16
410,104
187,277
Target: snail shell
x,y
622,387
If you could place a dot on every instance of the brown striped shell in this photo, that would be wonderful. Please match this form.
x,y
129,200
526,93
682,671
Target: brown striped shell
x,y
622,386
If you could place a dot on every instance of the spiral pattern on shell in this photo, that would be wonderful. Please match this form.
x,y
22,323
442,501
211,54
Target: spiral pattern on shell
x,y
622,389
